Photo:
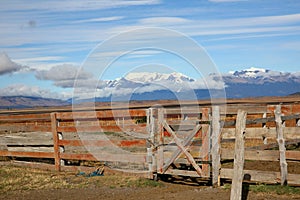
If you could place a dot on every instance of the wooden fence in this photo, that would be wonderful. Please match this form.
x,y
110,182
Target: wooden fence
x,y
193,141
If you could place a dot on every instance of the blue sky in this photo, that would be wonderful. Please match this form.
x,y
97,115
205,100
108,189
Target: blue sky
x,y
43,37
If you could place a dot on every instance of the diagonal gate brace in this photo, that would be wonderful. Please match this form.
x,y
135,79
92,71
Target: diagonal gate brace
x,y
182,149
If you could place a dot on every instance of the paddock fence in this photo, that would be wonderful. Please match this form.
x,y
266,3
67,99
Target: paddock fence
x,y
195,141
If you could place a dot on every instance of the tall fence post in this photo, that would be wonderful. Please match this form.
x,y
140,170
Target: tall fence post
x,y
160,139
55,142
238,165
281,144
205,143
151,143
215,148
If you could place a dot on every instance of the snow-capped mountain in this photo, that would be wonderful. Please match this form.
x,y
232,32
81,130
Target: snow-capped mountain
x,y
260,76
250,82
252,72
150,77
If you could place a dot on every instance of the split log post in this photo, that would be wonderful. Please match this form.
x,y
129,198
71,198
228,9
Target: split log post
x,y
281,144
54,125
160,139
205,142
238,165
151,143
215,148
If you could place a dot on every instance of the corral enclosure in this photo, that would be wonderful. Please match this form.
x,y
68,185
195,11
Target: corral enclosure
x,y
189,140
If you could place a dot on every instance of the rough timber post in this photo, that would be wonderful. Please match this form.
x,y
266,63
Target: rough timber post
x,y
55,141
205,142
215,148
238,165
281,143
151,143
160,140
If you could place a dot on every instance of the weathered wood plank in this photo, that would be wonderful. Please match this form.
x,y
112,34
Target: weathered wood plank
x,y
262,176
183,149
262,155
262,120
24,118
182,173
93,129
290,133
55,141
160,140
238,164
110,157
215,148
178,151
27,154
105,114
205,150
281,144
102,143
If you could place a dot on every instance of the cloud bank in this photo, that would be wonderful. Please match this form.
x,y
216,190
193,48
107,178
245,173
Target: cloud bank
x,y
7,66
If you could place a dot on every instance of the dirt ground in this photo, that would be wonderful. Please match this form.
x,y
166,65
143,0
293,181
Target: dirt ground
x,y
168,191
25,183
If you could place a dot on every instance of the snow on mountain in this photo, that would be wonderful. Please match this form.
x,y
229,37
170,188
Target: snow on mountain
x,y
252,72
150,77
260,76
238,84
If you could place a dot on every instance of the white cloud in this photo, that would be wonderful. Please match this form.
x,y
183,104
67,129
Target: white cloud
x,y
35,91
62,72
224,1
65,75
72,5
101,19
7,65
162,21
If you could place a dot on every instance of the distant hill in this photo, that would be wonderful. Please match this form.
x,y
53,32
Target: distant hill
x,y
13,102
295,94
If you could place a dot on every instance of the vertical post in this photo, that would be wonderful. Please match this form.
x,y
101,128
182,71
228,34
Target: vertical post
x,y
150,145
281,143
238,165
215,148
160,139
205,142
55,141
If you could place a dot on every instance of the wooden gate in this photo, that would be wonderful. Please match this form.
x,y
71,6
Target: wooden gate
x,y
179,142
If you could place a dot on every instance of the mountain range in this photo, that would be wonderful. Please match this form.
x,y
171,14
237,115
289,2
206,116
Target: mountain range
x,y
253,82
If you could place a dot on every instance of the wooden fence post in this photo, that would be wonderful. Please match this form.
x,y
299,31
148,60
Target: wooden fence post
x,y
215,148
55,141
205,142
160,139
281,143
238,166
151,143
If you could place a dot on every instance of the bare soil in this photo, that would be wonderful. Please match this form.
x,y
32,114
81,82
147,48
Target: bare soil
x,y
168,191
24,183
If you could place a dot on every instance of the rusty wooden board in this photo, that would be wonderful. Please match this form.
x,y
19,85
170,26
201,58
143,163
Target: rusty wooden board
x,y
103,143
27,154
106,114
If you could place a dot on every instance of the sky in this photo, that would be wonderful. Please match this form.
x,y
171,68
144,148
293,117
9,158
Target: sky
x,y
45,43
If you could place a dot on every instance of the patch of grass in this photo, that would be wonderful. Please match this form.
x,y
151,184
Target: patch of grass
x,y
273,189
142,182
17,178
278,189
